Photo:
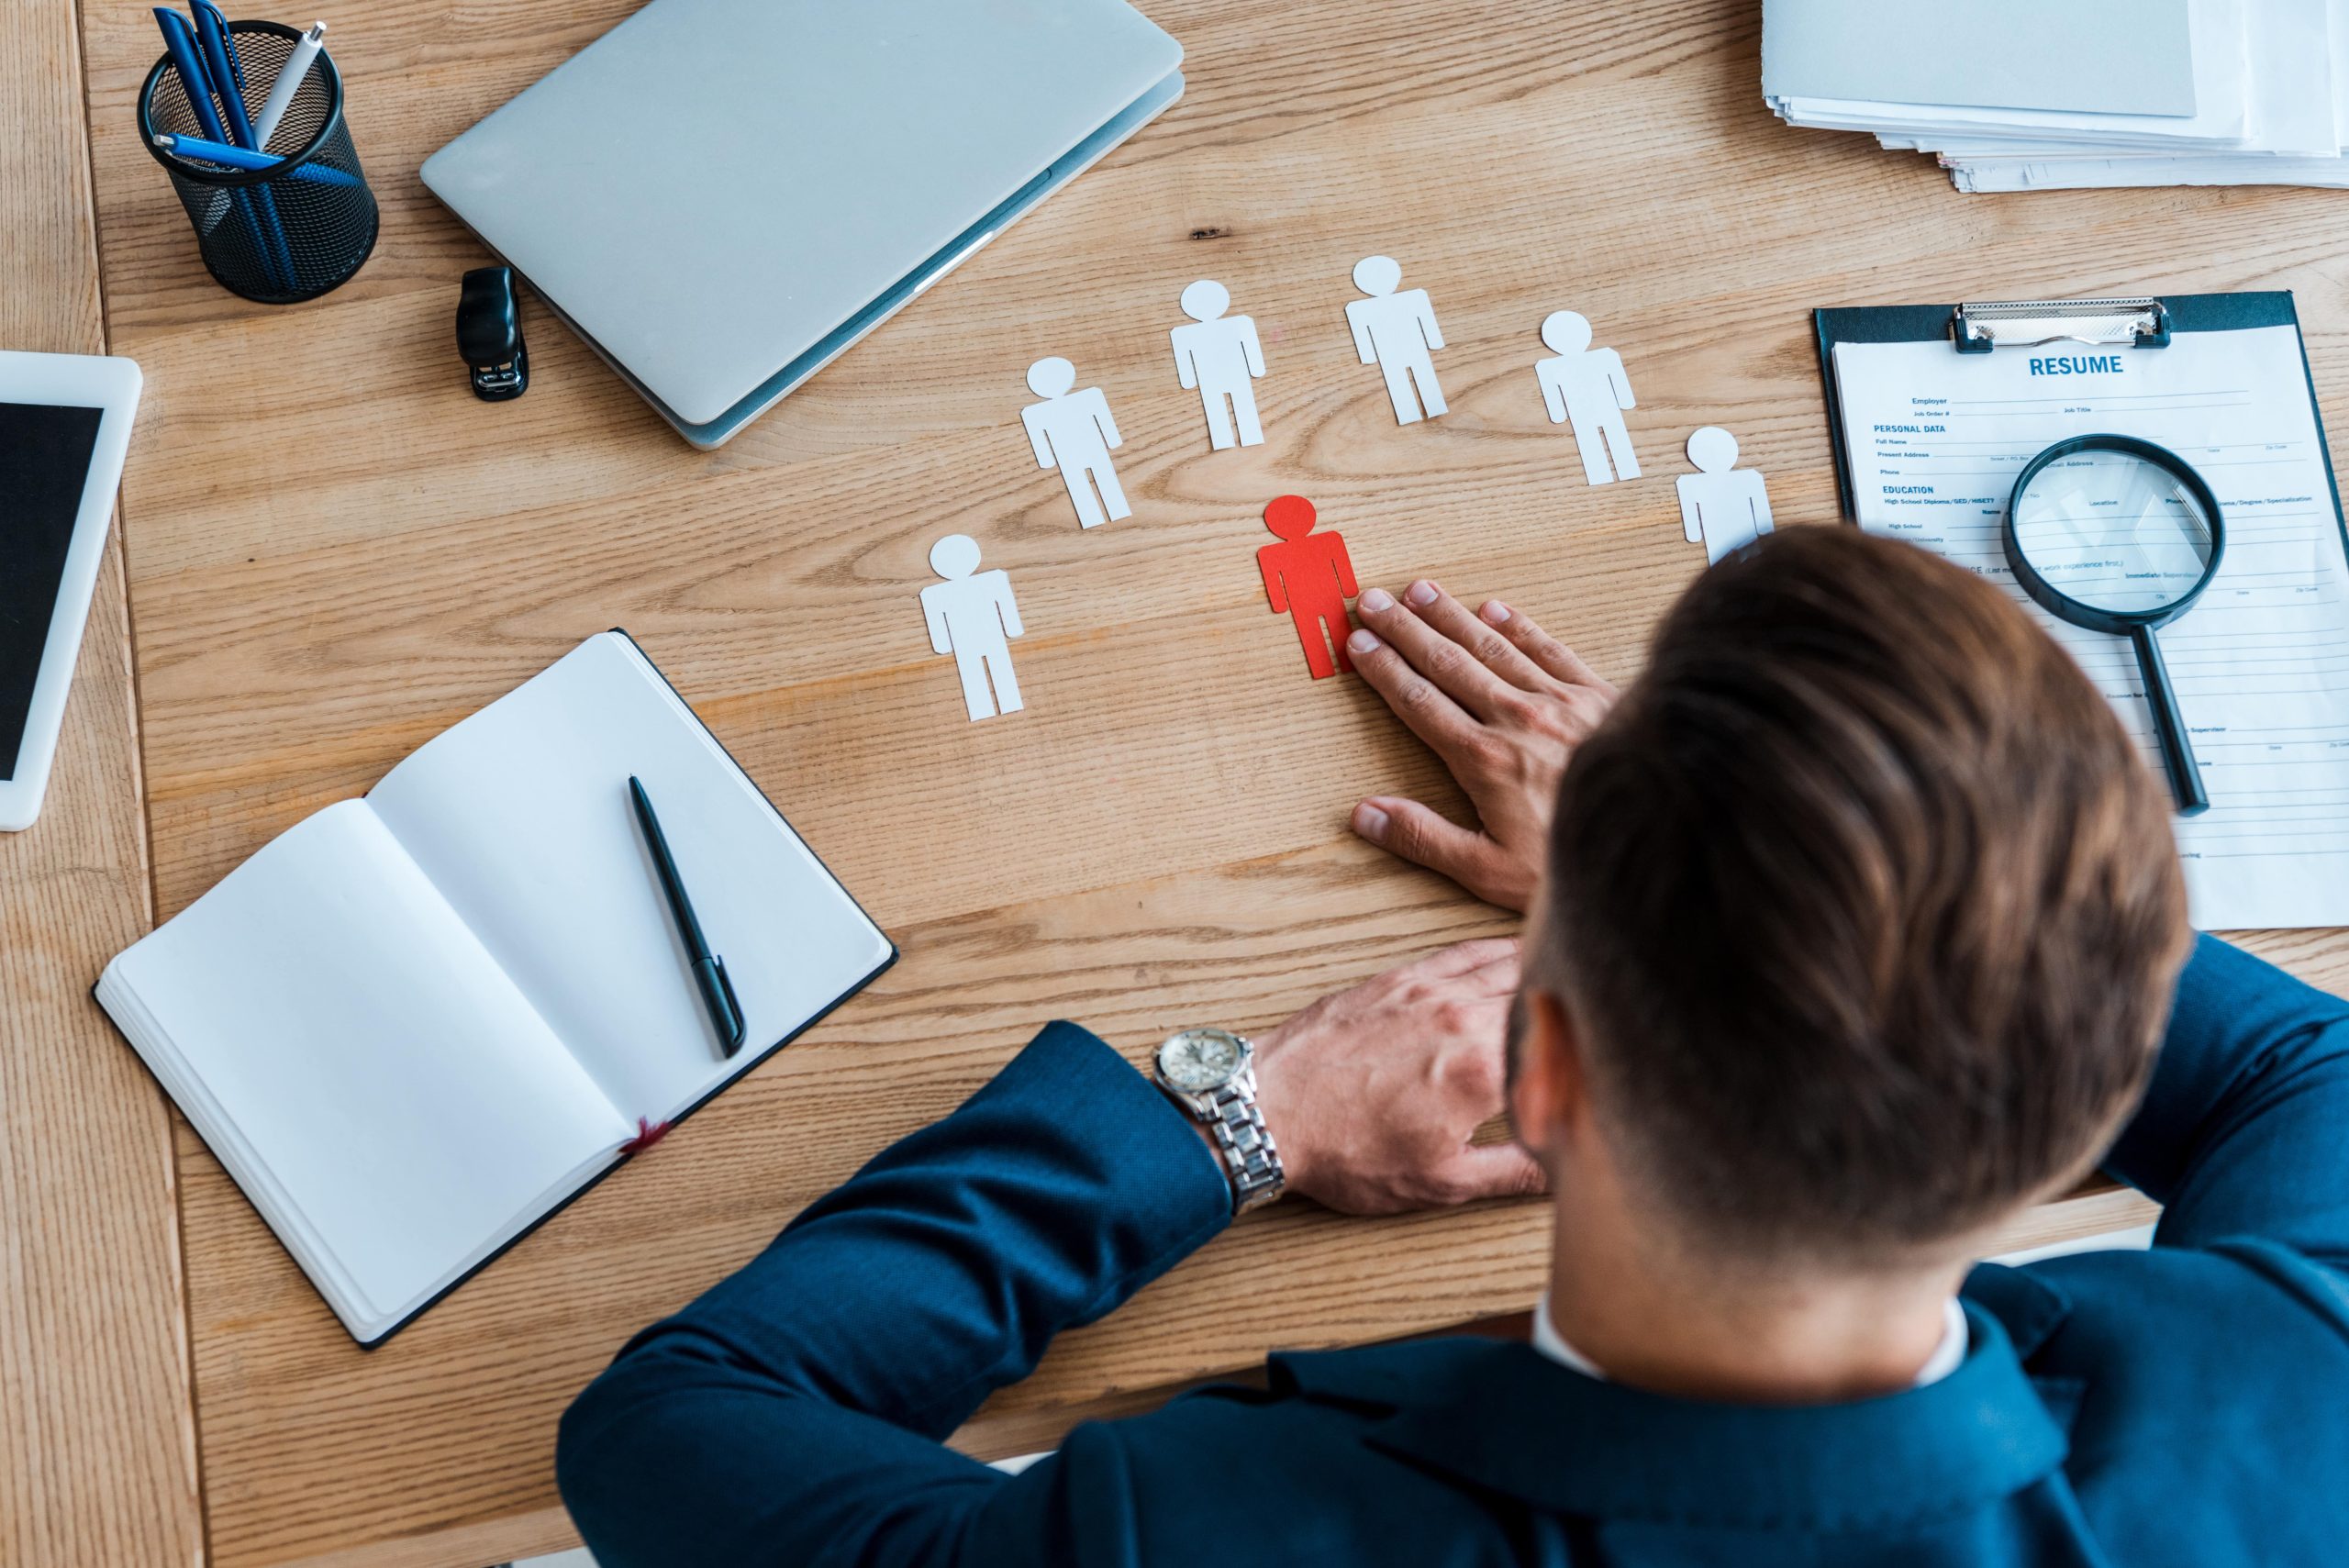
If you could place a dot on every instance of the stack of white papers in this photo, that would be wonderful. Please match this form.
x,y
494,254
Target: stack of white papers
x,y
2011,96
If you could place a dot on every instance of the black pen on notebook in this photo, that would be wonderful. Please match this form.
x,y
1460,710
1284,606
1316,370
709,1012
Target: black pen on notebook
x,y
709,970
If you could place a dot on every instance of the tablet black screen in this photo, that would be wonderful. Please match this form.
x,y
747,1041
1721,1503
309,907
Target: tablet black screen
x,y
44,458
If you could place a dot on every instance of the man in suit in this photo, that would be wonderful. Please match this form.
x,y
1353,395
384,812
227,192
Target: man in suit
x,y
1856,928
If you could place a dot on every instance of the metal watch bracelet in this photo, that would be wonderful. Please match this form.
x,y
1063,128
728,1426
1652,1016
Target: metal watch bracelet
x,y
1237,1127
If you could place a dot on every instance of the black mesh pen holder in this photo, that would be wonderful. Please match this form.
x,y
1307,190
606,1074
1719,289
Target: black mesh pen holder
x,y
279,235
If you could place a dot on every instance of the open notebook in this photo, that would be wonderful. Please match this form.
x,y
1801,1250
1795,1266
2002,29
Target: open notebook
x,y
418,1023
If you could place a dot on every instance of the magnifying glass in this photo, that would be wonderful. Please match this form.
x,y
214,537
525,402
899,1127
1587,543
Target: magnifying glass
x,y
2120,536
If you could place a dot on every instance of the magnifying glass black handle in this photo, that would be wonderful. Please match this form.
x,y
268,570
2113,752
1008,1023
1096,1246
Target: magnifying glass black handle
x,y
2169,725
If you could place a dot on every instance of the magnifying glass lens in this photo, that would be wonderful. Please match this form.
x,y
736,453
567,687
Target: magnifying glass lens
x,y
2114,531
2120,535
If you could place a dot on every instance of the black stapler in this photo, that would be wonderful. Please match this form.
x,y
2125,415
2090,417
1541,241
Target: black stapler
x,y
489,335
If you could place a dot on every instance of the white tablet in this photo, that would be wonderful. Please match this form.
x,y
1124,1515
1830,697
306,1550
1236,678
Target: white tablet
x,y
64,426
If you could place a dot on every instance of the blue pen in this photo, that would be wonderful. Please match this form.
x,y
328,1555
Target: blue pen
x,y
227,84
229,157
195,84
206,11
179,43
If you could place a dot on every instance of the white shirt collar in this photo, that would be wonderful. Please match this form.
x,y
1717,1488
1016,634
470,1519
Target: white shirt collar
x,y
1945,1358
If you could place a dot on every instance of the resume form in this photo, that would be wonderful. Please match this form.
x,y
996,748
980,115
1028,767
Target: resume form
x,y
2261,665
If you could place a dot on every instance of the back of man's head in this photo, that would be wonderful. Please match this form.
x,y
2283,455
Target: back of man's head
x,y
1864,907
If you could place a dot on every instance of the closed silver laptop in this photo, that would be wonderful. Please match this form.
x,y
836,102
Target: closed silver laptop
x,y
721,195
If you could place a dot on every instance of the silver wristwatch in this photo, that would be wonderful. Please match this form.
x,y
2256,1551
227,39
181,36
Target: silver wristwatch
x,y
1211,1073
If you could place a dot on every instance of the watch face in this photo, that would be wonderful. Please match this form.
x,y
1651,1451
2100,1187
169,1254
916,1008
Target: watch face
x,y
1198,1060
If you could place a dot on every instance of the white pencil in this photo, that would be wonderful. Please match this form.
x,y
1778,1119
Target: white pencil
x,y
289,80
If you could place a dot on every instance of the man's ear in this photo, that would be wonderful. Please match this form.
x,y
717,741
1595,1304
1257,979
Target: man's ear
x,y
1549,1086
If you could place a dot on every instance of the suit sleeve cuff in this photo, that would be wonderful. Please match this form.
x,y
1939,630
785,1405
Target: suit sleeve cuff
x,y
1153,1160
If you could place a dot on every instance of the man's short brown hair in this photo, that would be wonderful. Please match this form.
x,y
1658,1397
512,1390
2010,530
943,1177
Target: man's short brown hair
x,y
1865,905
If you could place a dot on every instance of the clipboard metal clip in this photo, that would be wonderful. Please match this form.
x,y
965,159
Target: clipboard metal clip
x,y
1983,324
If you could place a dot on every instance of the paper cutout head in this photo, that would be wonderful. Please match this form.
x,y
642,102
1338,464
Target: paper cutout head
x,y
1566,331
1378,275
1051,377
956,555
1713,449
1205,300
1290,516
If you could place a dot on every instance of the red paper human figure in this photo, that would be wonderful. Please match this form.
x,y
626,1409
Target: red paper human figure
x,y
1310,576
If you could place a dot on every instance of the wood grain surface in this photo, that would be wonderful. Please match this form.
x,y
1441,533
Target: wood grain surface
x,y
97,1446
337,552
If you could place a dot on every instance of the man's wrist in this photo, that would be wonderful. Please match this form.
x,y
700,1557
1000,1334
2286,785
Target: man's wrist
x,y
1278,1107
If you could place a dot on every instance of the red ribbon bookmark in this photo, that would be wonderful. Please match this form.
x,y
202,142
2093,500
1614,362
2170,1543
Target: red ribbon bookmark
x,y
648,1134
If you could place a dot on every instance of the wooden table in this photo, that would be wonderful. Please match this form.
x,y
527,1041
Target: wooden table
x,y
334,552
97,1441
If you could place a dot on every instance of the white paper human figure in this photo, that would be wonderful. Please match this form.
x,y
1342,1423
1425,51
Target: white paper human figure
x,y
1220,355
1394,331
1072,431
1721,506
1587,387
971,617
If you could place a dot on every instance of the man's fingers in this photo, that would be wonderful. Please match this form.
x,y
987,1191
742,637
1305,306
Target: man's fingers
x,y
1484,644
1493,1170
1454,670
1547,651
1419,702
1487,968
1499,977
1426,838
1469,958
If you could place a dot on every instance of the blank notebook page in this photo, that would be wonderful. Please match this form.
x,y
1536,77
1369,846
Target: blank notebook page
x,y
521,817
356,1040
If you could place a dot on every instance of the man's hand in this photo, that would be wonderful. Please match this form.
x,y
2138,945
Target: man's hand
x,y
1504,704
1372,1094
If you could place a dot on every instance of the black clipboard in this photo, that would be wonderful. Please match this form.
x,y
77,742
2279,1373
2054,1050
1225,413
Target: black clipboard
x,y
2142,325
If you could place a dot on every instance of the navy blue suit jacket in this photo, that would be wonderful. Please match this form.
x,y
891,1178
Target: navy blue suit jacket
x,y
2188,1405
